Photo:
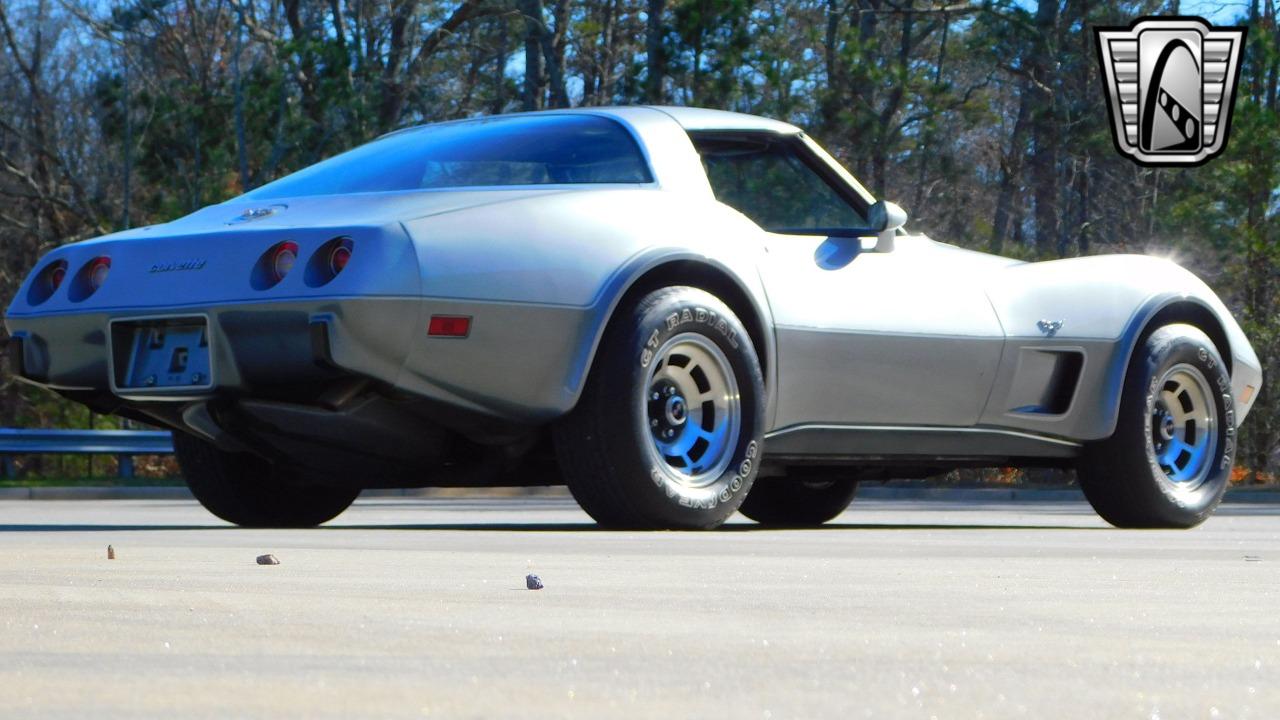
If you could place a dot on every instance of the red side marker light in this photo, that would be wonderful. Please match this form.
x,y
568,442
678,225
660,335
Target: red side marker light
x,y
456,326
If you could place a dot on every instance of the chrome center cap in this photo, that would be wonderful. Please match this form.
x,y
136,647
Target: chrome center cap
x,y
1166,425
676,411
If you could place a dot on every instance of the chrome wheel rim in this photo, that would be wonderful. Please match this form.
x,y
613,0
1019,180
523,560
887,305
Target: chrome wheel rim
x,y
691,409
1184,427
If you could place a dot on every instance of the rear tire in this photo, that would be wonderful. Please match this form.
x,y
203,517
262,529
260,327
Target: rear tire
x,y
249,491
668,430
792,502
1169,461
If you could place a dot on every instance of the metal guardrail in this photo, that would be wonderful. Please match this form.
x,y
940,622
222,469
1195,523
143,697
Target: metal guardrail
x,y
124,444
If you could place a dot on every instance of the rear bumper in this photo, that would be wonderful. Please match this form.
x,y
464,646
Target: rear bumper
x,y
252,346
521,363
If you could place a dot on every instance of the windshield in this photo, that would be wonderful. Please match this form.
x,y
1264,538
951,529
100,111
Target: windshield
x,y
521,150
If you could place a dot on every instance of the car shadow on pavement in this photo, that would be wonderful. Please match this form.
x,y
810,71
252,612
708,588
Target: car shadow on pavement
x,y
732,528
103,527
533,527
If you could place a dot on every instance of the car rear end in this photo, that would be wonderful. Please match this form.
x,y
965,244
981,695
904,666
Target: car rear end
x,y
228,308
155,315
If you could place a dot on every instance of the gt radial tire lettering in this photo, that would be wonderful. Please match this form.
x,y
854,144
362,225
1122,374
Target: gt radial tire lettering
x,y
1229,419
650,346
1229,445
705,317
698,315
1229,413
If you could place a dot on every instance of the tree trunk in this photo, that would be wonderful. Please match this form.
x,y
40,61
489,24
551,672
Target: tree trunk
x,y
305,74
832,95
554,44
499,102
534,73
398,75
126,199
612,44
885,121
1045,129
242,153
656,54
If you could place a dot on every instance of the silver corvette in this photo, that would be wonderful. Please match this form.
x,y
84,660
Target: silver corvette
x,y
679,313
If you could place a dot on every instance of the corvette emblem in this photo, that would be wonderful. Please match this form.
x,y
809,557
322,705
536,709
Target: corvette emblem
x,y
1170,84
197,264
256,213
1049,327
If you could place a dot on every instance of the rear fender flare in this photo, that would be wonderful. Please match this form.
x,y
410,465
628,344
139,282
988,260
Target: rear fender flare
x,y
681,267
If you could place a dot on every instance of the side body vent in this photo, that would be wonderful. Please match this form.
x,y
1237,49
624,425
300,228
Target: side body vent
x,y
1046,380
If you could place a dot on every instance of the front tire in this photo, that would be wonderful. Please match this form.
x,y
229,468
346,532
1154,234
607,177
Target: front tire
x,y
798,502
249,491
668,431
1169,461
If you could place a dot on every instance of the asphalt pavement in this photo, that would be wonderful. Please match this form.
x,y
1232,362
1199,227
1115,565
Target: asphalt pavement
x,y
412,607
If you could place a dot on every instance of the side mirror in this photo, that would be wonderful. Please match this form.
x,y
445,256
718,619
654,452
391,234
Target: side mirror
x,y
885,218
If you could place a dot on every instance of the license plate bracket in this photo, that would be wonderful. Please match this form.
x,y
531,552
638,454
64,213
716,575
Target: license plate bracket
x,y
162,355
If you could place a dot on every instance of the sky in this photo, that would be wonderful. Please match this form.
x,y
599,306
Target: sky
x,y
1217,12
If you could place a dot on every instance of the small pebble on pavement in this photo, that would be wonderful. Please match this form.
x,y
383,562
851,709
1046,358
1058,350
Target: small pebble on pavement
x,y
533,582
268,560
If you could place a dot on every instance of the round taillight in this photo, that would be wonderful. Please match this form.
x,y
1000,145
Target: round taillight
x,y
98,269
89,278
328,261
339,258
56,275
47,282
283,260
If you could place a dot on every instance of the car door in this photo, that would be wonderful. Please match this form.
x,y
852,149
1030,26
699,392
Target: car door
x,y
864,337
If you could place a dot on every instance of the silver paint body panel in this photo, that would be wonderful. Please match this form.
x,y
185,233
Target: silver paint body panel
x,y
926,335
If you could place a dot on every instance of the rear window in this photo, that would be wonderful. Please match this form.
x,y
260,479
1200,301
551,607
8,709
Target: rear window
x,y
531,150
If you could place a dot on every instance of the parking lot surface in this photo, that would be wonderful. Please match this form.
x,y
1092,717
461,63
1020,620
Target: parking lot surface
x,y
411,607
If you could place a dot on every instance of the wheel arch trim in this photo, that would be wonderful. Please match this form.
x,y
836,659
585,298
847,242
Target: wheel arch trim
x,y
651,270
1156,312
